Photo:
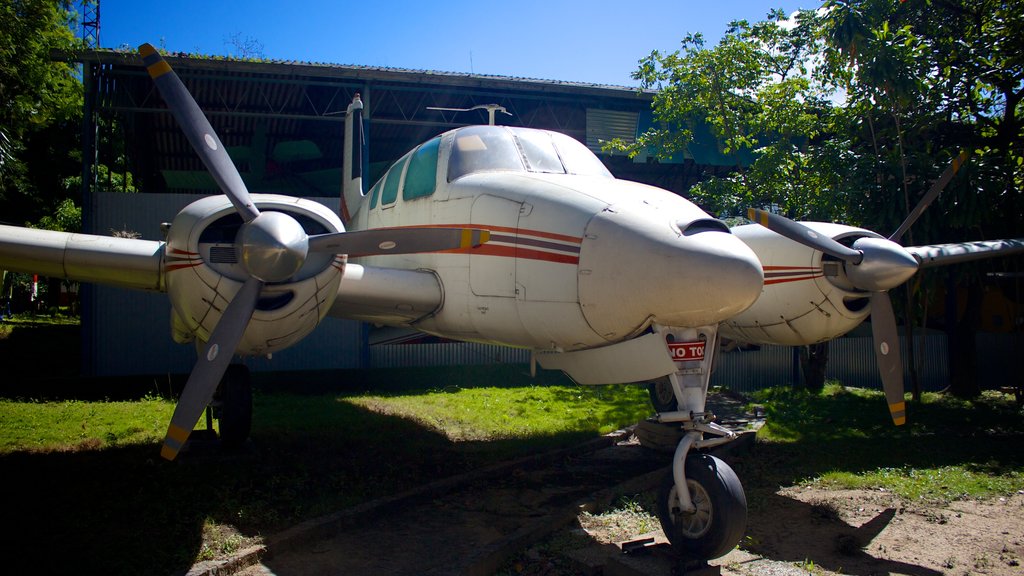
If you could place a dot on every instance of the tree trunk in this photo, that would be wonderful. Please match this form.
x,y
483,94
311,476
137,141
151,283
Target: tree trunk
x,y
961,351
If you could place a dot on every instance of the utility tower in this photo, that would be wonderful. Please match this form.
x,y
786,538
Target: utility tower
x,y
90,13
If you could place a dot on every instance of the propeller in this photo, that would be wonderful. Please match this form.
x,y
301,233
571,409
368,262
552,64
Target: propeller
x,y
874,265
273,247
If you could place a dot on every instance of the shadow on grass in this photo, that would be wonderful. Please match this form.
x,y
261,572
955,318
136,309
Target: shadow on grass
x,y
842,431
126,511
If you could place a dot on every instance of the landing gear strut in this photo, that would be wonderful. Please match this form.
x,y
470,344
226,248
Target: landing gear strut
x,y
701,504
232,406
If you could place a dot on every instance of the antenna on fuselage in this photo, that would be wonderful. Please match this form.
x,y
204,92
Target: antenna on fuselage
x,y
491,109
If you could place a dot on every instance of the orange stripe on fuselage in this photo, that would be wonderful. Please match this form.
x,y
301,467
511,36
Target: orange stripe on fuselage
x,y
515,252
510,230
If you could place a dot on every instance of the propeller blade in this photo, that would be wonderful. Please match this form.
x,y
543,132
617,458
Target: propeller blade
x,y
955,253
199,132
398,240
799,233
887,351
930,196
206,375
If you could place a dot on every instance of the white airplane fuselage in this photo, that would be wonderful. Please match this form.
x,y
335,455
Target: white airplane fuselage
x,y
574,260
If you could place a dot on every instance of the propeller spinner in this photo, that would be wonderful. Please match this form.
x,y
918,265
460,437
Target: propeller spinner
x,y
273,246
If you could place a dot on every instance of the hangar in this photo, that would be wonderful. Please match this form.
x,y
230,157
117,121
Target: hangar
x,y
282,123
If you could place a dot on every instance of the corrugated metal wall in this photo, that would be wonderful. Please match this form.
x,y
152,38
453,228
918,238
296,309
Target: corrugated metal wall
x,y
851,361
444,354
125,332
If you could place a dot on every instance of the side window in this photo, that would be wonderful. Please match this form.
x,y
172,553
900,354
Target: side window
x,y
375,193
390,192
421,179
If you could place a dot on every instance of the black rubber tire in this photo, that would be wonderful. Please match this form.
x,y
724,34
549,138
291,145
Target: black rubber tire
x,y
234,413
663,399
721,518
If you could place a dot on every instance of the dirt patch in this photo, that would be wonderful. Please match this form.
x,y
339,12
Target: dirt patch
x,y
806,530
872,532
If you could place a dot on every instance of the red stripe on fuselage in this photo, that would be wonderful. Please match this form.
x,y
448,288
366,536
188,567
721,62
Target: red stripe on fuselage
x,y
783,274
784,280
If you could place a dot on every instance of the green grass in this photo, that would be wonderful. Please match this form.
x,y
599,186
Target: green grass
x,y
843,438
88,493
71,425
85,485
499,413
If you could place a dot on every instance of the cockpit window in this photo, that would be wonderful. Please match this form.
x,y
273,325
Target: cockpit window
x,y
577,158
539,152
506,149
483,149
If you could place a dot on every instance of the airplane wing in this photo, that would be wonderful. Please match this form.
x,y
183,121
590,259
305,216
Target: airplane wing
x,y
122,262
942,254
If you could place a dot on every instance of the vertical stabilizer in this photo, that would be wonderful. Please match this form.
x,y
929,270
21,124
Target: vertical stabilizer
x,y
352,165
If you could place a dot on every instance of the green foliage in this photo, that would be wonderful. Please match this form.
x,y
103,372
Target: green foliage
x,y
853,111
40,106
66,218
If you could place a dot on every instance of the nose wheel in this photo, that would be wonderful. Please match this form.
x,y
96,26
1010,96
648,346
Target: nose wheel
x,y
701,504
719,516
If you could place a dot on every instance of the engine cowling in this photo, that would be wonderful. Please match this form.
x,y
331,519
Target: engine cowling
x,y
807,297
203,273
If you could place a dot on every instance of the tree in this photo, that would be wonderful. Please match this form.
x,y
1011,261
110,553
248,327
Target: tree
x,y
40,107
850,112
927,79
756,92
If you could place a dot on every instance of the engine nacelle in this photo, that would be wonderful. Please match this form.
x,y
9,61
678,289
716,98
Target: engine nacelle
x,y
203,273
807,297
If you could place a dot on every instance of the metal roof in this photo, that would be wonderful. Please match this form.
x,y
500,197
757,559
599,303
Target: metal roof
x,y
283,121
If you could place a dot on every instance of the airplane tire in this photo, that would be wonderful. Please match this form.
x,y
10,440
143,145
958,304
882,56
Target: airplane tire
x,y
721,516
235,411
663,399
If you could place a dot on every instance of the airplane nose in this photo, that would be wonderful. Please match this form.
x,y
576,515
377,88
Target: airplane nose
x,y
636,267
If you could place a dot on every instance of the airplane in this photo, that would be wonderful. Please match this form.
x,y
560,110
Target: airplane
x,y
495,234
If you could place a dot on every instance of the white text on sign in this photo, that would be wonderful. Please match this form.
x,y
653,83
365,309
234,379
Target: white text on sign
x,y
686,351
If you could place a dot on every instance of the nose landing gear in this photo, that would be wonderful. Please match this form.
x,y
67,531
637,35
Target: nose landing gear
x,y
701,504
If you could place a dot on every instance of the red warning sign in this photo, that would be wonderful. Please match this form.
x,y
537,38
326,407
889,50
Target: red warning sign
x,y
686,351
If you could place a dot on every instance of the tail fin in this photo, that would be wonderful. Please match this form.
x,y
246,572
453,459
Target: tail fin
x,y
352,165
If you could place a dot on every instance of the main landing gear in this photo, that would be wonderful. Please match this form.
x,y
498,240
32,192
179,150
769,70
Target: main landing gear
x,y
701,504
232,407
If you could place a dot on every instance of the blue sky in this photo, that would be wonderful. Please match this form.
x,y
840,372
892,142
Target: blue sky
x,y
597,41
